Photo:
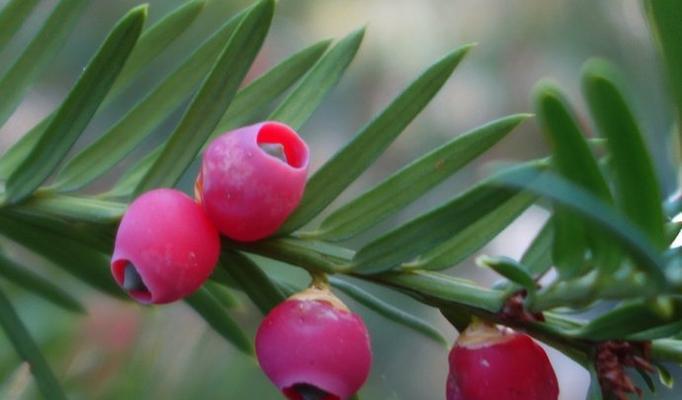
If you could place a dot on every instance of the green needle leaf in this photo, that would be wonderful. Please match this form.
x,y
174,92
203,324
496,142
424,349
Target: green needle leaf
x,y
412,181
252,280
672,230
74,209
673,205
639,193
148,47
222,294
155,40
38,55
257,94
594,392
667,350
664,376
582,203
569,246
647,379
21,339
78,108
126,184
433,228
12,18
537,259
211,101
18,152
303,253
658,332
574,160
217,318
625,320
665,17
29,280
474,237
347,164
72,256
388,311
309,93
139,122
445,288
511,270
538,256
270,85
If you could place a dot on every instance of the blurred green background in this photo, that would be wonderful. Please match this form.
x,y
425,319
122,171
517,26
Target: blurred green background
x,y
124,351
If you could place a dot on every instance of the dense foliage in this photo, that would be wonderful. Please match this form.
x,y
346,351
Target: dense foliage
x,y
608,240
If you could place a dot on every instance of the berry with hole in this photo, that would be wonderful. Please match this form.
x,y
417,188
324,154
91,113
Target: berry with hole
x,y
252,179
487,363
312,347
165,248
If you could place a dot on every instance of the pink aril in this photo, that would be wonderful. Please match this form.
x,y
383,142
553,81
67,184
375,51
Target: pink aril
x,y
165,248
312,347
246,191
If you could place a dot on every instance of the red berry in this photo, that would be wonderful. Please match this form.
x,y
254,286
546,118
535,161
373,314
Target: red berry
x,y
312,347
165,247
489,364
246,191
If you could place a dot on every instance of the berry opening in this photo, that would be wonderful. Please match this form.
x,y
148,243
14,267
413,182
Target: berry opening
x,y
275,150
132,280
275,135
128,277
305,391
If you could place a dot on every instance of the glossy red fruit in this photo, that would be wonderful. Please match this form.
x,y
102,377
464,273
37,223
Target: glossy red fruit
x,y
313,348
166,247
247,191
487,363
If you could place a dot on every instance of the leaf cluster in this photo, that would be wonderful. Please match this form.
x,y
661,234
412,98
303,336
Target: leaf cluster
x,y
608,237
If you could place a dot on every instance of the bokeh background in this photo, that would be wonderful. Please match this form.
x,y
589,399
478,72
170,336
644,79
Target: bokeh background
x,y
124,351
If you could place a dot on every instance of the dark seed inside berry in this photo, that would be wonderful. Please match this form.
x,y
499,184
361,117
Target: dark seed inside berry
x,y
131,280
310,392
275,150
